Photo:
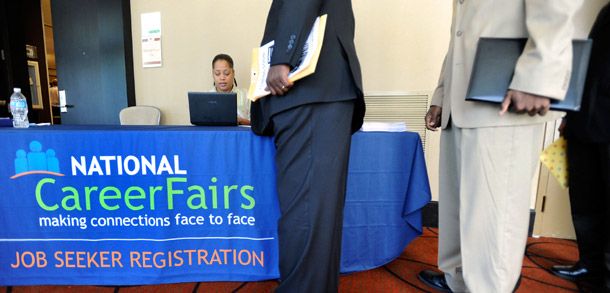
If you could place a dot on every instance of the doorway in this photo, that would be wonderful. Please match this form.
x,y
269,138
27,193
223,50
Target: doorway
x,y
93,57
51,67
23,58
553,215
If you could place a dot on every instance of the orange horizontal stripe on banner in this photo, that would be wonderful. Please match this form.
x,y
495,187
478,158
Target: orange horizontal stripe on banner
x,y
36,172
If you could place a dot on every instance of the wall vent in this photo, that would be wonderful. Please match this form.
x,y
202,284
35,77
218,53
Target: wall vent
x,y
410,108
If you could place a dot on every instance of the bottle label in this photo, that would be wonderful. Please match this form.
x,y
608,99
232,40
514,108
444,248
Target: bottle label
x,y
20,104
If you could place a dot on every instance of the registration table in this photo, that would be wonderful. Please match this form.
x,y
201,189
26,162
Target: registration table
x,y
127,205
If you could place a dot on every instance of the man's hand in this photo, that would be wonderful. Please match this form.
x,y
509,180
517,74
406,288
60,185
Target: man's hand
x,y
562,127
277,79
521,102
433,118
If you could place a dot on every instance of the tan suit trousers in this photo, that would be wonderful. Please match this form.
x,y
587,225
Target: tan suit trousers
x,y
484,204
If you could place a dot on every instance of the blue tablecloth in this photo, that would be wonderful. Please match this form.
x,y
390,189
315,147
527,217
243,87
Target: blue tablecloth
x,y
6,122
94,204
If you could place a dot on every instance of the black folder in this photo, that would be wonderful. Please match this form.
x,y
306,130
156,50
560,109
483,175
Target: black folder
x,y
494,67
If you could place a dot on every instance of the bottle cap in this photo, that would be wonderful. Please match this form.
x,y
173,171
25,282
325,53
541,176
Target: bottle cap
x,y
17,90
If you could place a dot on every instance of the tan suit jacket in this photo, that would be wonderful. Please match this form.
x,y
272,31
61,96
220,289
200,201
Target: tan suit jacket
x,y
543,69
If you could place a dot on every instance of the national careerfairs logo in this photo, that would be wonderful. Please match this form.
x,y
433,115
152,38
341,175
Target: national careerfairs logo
x,y
75,197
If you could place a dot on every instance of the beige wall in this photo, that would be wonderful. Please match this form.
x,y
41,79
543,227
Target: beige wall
x,y
394,42
193,32
401,45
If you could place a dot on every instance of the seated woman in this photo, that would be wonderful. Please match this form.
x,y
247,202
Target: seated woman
x,y
224,82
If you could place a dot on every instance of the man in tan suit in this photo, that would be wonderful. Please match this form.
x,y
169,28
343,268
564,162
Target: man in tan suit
x,y
488,152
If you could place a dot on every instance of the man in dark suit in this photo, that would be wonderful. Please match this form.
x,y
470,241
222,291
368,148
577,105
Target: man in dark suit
x,y
312,121
588,135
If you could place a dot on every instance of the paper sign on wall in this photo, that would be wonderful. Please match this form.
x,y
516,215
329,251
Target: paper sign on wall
x,y
62,101
151,40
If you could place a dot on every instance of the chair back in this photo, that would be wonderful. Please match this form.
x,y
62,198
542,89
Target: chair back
x,y
140,115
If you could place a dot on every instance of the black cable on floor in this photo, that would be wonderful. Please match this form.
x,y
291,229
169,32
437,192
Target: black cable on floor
x,y
548,258
530,255
416,261
549,284
405,281
196,287
238,288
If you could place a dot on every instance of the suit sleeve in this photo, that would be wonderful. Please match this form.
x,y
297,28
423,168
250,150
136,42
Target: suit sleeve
x,y
544,67
295,20
439,92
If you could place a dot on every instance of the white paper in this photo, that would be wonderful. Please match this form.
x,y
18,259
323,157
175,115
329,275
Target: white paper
x,y
264,60
151,40
62,101
384,126
308,50
151,24
151,52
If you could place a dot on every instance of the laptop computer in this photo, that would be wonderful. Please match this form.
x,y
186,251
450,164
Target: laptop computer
x,y
213,109
494,66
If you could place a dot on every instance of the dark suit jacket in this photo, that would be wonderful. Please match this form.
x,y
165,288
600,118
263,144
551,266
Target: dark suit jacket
x,y
592,122
337,77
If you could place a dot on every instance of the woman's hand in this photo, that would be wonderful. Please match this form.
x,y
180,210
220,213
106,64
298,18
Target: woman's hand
x,y
242,121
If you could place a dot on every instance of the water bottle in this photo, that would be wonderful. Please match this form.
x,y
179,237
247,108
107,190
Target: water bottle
x,y
19,109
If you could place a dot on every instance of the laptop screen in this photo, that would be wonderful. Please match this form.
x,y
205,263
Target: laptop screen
x,y
213,109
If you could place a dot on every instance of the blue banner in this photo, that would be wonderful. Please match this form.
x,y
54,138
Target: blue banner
x,y
133,205
89,206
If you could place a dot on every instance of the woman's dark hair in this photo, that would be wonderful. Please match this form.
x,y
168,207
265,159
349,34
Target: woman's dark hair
x,y
224,57
227,58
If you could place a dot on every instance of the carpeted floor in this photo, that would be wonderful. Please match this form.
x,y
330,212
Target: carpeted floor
x,y
399,275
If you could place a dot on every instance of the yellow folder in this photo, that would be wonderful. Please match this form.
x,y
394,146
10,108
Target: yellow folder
x,y
311,65
555,158
262,56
